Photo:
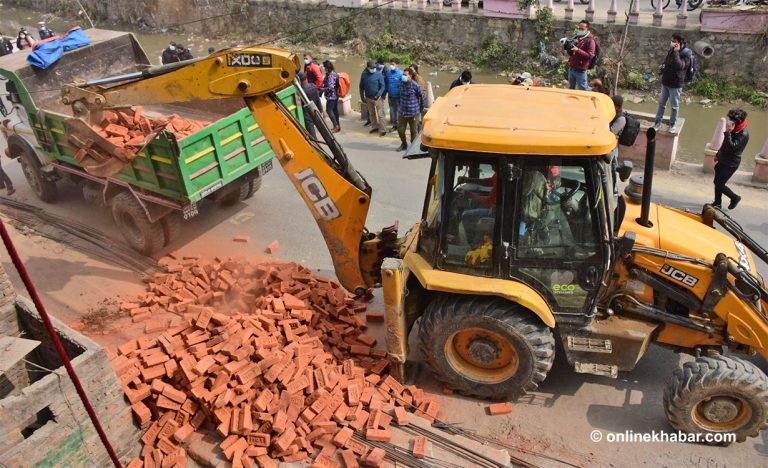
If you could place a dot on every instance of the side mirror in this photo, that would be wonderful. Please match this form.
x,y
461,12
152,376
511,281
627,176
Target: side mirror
x,y
625,244
625,170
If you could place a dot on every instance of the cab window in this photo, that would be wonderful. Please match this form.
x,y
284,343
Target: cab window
x,y
432,213
555,212
471,212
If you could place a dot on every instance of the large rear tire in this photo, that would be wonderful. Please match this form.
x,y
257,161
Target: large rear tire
x,y
143,236
171,227
486,346
718,394
44,189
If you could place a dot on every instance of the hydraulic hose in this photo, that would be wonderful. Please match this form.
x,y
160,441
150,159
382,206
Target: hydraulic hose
x,y
56,341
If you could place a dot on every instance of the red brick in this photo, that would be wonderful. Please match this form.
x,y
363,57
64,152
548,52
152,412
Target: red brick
x,y
374,317
375,457
500,408
114,129
142,413
401,416
420,447
273,246
183,432
242,238
349,458
378,435
341,437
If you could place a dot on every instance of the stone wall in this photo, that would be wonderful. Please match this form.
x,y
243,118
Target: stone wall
x,y
742,58
42,420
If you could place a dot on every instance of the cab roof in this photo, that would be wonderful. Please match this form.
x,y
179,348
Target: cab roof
x,y
506,119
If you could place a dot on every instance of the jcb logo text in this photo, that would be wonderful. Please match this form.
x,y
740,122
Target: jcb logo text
x,y
317,194
678,275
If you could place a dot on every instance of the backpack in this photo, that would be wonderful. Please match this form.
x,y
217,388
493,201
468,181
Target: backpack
x,y
693,68
631,130
595,58
343,84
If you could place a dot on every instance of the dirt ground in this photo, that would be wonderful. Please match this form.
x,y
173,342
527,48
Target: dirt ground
x,y
82,285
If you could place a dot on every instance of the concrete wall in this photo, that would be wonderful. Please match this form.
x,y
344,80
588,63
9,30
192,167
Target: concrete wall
x,y
65,436
741,58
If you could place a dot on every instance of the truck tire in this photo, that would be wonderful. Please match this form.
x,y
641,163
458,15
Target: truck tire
x,y
93,193
718,394
245,190
143,236
253,186
43,188
486,346
171,227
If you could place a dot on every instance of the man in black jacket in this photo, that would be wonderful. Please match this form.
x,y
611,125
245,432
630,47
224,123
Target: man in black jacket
x,y
673,72
728,157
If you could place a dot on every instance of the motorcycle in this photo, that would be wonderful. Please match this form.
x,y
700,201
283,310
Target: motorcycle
x,y
692,4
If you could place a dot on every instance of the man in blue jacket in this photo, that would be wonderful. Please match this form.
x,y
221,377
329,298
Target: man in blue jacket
x,y
372,89
394,78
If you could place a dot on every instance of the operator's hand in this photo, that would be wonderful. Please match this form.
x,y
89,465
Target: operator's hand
x,y
677,47
461,180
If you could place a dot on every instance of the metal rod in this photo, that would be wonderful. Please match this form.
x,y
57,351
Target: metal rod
x,y
650,158
56,341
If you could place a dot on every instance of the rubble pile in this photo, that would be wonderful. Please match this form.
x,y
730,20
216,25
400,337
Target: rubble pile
x,y
270,357
130,127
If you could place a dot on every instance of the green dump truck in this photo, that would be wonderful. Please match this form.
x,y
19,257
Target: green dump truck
x,y
168,179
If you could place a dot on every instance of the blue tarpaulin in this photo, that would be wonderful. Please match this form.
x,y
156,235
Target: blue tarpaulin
x,y
45,53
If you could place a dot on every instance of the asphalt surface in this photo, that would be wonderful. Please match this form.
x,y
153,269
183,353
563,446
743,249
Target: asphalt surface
x,y
557,420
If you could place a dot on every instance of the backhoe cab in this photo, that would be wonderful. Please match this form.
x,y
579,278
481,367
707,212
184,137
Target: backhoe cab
x,y
523,237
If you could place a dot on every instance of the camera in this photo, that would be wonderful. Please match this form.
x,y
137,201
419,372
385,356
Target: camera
x,y
567,44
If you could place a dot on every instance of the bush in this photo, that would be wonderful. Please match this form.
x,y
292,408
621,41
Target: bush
x,y
385,45
495,54
634,80
707,87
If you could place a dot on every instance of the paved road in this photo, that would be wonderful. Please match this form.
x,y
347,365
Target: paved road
x,y
556,420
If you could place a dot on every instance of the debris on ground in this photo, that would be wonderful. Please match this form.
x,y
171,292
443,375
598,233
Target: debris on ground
x,y
269,356
273,246
500,408
97,318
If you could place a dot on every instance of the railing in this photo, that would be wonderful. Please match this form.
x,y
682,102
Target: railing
x,y
659,13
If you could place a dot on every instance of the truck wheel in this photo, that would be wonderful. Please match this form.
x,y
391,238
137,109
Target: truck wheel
x,y
43,188
93,193
171,227
143,236
718,394
486,346
243,191
253,186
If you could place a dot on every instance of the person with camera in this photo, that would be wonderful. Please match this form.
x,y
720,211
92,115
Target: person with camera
x,y
24,40
673,72
728,157
581,50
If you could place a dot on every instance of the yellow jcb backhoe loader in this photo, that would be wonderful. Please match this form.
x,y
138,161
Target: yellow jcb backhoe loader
x,y
523,238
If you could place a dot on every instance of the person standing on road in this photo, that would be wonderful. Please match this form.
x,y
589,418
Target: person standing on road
x,y
464,79
5,182
412,101
331,93
393,79
371,91
311,91
312,70
617,126
728,157
673,72
416,76
581,55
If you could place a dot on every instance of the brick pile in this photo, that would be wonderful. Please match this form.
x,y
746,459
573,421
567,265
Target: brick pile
x,y
130,127
271,358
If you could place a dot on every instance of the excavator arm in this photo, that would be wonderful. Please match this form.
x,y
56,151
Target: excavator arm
x,y
336,194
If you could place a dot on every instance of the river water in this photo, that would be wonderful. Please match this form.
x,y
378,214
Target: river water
x,y
699,125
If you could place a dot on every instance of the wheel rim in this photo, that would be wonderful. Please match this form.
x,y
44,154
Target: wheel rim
x,y
482,355
722,413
